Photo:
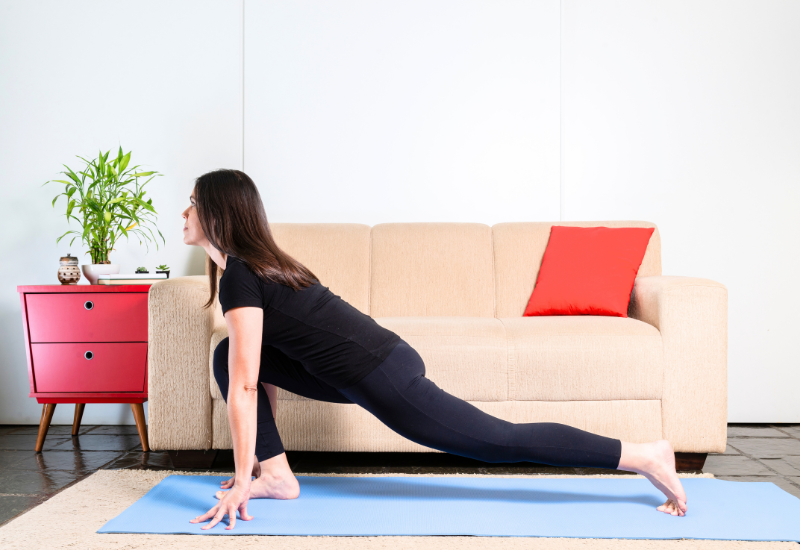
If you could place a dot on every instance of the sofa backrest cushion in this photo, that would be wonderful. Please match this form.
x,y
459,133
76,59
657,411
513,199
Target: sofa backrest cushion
x,y
518,251
337,253
432,269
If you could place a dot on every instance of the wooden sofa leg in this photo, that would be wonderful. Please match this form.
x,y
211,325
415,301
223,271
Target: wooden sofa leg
x,y
193,459
689,461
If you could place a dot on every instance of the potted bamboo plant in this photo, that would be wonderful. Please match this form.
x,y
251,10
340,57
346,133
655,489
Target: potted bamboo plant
x,y
109,198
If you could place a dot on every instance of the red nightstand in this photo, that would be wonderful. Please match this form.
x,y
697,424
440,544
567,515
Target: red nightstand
x,y
86,344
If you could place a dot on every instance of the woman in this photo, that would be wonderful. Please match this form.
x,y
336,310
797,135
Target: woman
x,y
287,330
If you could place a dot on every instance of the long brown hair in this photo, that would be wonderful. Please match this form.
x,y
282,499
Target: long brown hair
x,y
233,219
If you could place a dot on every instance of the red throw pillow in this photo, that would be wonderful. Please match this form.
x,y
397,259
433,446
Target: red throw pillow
x,y
588,271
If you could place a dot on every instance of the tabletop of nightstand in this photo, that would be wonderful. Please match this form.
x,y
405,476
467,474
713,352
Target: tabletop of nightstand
x,y
83,288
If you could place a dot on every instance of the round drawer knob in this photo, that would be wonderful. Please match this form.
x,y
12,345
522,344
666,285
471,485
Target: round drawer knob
x,y
88,304
88,355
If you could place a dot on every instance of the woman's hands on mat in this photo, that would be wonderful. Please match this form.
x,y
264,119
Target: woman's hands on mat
x,y
234,501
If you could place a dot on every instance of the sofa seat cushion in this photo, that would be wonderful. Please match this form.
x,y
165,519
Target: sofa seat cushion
x,y
583,358
464,356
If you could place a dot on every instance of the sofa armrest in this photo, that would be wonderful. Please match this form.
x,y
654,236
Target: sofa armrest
x,y
692,315
179,332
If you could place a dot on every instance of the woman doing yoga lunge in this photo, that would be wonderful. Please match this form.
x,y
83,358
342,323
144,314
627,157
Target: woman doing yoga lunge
x,y
287,330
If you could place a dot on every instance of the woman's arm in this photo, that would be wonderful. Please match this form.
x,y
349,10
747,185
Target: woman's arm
x,y
245,326
244,358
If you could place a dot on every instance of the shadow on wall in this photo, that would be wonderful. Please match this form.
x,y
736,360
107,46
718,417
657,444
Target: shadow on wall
x,y
196,264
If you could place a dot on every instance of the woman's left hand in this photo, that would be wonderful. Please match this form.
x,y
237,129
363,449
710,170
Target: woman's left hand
x,y
235,499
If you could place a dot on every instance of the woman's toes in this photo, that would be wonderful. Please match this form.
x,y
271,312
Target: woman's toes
x,y
670,507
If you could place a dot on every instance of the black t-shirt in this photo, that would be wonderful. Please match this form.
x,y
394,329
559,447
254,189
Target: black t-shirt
x,y
331,339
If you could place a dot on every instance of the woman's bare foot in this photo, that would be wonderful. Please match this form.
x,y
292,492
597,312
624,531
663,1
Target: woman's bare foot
x,y
267,486
228,483
656,461
274,479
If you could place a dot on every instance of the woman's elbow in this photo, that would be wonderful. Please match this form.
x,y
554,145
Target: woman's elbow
x,y
245,391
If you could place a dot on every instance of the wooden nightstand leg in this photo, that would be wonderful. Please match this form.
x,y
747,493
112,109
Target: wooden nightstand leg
x,y
76,423
44,425
138,415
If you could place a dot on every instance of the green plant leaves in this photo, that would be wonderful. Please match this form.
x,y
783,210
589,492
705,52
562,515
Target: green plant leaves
x,y
144,204
91,203
109,198
124,162
71,174
64,235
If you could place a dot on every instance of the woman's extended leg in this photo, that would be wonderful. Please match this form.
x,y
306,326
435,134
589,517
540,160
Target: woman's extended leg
x,y
398,393
274,477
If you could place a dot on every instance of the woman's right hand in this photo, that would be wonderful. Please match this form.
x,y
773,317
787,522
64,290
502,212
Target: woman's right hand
x,y
234,501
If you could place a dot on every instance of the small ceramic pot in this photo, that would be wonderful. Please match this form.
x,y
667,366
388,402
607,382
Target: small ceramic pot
x,y
167,272
92,271
68,273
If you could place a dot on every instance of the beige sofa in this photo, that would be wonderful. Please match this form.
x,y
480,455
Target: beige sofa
x,y
456,292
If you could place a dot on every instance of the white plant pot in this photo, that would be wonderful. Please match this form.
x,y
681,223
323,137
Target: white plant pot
x,y
92,271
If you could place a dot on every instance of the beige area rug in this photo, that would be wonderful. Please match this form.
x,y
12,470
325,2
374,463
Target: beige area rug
x,y
71,518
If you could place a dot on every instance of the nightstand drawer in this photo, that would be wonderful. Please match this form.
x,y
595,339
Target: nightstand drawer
x,y
88,317
89,367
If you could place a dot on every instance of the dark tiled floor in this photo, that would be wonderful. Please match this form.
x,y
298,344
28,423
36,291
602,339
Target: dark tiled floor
x,y
755,452
760,452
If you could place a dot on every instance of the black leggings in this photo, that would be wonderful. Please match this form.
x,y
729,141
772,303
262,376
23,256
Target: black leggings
x,y
399,395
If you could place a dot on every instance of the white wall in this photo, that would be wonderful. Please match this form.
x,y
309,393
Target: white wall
x,y
403,110
162,79
681,113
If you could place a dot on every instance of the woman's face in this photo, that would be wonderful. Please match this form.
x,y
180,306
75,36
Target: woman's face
x,y
192,232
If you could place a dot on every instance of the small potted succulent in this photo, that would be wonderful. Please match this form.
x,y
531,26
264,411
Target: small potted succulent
x,y
163,268
108,196
141,270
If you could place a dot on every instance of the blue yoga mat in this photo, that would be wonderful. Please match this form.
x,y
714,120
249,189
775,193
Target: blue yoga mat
x,y
483,506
